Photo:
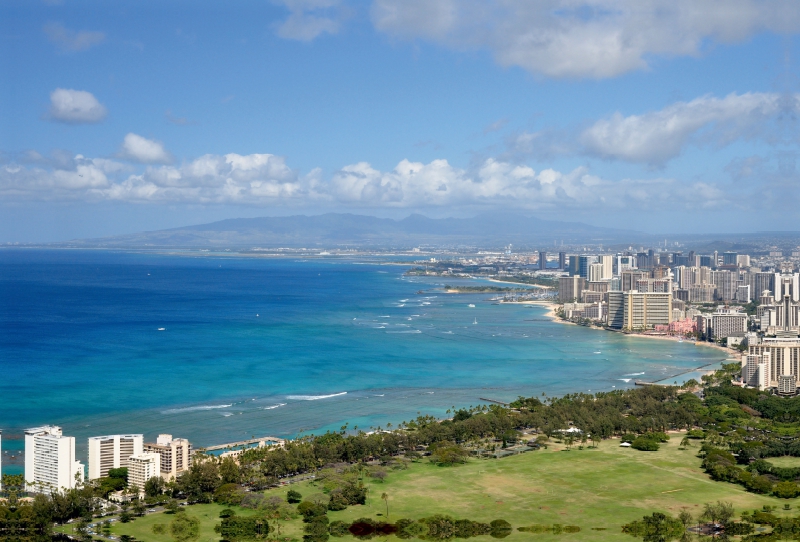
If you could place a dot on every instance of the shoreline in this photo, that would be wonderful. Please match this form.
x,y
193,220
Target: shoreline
x,y
551,314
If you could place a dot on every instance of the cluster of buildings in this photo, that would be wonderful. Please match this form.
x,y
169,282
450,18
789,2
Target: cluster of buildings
x,y
51,465
671,292
696,294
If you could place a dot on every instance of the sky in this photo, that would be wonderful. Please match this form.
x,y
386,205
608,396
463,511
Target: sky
x,y
664,116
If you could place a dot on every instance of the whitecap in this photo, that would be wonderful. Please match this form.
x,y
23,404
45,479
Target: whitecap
x,y
624,379
384,316
274,406
314,397
633,374
406,331
226,414
194,408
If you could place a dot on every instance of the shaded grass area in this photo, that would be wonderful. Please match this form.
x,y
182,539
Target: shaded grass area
x,y
784,462
599,488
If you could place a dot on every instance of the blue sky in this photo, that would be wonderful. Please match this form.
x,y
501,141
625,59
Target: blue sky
x,y
662,116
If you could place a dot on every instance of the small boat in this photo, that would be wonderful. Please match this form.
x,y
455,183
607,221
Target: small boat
x,y
162,328
476,321
471,306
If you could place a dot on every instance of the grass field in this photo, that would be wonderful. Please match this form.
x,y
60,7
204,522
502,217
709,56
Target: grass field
x,y
787,461
599,488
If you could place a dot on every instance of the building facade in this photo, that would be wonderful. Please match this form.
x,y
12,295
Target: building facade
x,y
142,467
570,288
112,452
175,455
50,463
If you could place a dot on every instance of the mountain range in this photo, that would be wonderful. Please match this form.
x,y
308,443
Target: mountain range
x,y
345,229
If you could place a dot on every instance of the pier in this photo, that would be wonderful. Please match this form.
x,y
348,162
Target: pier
x,y
260,441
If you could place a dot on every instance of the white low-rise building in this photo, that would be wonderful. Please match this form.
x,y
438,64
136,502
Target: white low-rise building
x,y
142,467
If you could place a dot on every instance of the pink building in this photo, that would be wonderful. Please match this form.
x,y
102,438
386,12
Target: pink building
x,y
683,327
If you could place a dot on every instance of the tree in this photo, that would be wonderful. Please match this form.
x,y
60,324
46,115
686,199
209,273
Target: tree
x,y
685,517
184,527
685,442
154,486
229,471
293,497
385,497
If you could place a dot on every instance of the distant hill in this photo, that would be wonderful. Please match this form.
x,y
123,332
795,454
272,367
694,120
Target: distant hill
x,y
339,229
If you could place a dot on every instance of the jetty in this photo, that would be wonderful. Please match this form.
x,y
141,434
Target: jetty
x,y
493,401
262,441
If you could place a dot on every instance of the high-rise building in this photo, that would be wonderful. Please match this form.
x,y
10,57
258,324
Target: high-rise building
x,y
706,261
784,358
570,288
630,278
639,310
583,265
607,261
542,260
573,265
743,260
176,455
50,463
729,258
142,467
728,323
596,272
725,281
743,293
562,260
112,452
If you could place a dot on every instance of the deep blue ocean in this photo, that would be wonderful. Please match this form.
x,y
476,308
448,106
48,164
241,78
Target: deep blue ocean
x,y
267,346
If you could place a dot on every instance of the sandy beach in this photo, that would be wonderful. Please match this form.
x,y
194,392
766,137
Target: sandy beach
x,y
551,313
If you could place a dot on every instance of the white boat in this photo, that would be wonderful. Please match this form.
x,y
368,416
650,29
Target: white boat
x,y
471,306
476,321
162,328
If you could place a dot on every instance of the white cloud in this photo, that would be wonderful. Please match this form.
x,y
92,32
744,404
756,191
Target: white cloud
x,y
658,136
143,150
266,179
308,19
75,106
583,38
71,41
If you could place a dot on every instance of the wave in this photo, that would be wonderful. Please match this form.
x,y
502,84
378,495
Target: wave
x,y
406,331
273,406
633,374
624,379
194,408
314,397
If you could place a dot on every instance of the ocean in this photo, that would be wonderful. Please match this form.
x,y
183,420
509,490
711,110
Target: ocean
x,y
218,348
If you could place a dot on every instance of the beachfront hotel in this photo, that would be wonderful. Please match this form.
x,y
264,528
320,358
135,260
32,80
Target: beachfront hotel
x,y
50,463
176,455
142,467
112,452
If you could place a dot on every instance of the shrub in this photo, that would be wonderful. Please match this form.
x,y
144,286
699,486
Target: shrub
x,y
310,510
227,513
645,444
499,528
786,490
159,528
339,528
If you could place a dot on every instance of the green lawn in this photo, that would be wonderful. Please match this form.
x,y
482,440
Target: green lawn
x,y
592,488
787,461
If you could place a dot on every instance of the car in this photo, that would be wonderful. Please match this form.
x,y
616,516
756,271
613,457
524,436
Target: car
x,y
151,510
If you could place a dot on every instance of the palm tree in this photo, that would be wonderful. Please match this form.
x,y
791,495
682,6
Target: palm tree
x,y
385,497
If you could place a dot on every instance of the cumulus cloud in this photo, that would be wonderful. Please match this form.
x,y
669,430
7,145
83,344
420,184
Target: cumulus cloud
x,y
583,38
308,19
143,150
658,136
75,107
71,41
266,179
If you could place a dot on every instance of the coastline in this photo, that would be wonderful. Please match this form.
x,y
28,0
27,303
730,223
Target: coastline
x,y
551,314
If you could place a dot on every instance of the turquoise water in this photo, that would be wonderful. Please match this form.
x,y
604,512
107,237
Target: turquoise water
x,y
255,347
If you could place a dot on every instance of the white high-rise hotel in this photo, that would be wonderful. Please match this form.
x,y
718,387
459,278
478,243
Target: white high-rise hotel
x,y
112,452
50,463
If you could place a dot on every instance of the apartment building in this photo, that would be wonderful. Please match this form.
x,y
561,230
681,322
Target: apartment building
x,y
112,452
634,310
175,454
50,463
142,467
